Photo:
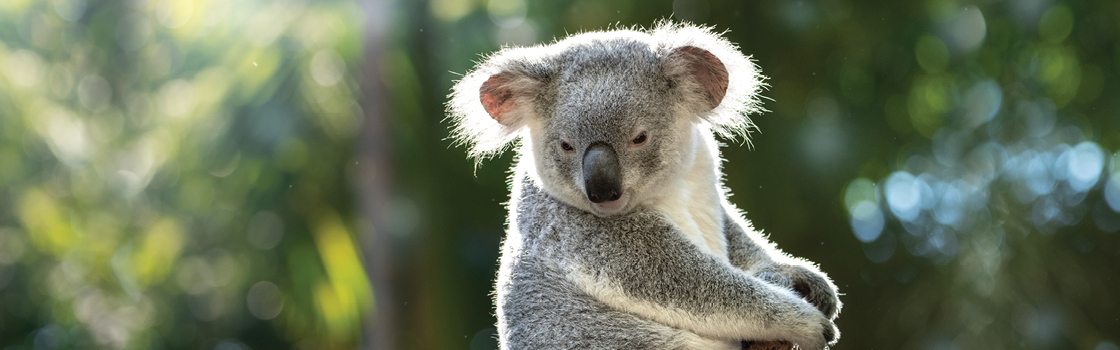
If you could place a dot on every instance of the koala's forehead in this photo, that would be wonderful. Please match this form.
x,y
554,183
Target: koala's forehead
x,y
608,86
608,56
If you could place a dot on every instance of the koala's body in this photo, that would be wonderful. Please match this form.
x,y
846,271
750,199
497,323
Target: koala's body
x,y
620,235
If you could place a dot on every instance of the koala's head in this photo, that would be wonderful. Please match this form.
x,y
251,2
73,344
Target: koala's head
x,y
607,119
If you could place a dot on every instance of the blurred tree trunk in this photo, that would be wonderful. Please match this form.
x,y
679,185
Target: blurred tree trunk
x,y
375,180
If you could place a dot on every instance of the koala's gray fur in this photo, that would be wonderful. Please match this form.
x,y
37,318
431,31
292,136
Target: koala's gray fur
x,y
667,262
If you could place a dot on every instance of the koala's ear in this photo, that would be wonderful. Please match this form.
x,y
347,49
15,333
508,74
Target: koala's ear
x,y
704,69
716,82
496,95
493,104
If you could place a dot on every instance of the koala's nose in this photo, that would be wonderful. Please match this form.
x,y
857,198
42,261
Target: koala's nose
x,y
601,173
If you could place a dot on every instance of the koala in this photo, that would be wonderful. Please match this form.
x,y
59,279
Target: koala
x,y
620,234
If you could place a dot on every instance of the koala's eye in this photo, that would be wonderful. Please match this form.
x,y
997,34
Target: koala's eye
x,y
640,139
566,147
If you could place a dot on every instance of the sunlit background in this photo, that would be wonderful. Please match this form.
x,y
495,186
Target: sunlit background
x,y
197,174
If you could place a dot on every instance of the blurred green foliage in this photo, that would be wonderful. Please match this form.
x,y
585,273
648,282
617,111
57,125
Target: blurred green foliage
x,y
182,173
175,174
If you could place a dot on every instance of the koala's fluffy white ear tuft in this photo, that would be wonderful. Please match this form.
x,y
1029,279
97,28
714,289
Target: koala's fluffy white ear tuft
x,y
718,83
491,105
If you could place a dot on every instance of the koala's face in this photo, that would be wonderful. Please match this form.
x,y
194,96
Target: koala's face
x,y
611,137
608,120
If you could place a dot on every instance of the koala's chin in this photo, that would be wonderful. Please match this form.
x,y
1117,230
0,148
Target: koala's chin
x,y
608,208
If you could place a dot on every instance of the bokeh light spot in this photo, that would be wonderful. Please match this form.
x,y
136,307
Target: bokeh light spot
x,y
1114,164
1086,161
267,25
265,230
966,30
931,53
94,93
451,10
949,206
157,252
867,221
265,301
327,68
229,345
1112,192
1056,24
174,13
1038,115
1060,70
981,103
931,97
70,10
860,190
68,137
25,67
524,34
176,98
15,6
487,339
507,13
50,337
1106,345
903,195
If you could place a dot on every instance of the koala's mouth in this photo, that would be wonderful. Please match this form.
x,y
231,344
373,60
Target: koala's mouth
x,y
612,207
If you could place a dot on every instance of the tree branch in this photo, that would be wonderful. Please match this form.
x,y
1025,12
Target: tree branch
x,y
768,345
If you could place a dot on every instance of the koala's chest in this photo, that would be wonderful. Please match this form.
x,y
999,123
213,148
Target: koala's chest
x,y
696,209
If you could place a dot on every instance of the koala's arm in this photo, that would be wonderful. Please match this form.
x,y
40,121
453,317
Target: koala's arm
x,y
748,250
642,265
538,311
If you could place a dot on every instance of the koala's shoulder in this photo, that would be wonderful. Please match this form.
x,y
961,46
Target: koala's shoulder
x,y
537,203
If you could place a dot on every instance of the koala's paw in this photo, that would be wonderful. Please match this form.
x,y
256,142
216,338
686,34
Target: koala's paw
x,y
818,334
808,283
818,290
831,333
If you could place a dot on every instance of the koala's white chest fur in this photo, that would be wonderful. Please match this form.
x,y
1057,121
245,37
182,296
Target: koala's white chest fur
x,y
694,203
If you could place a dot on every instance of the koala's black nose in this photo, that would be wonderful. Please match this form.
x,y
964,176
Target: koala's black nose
x,y
601,173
